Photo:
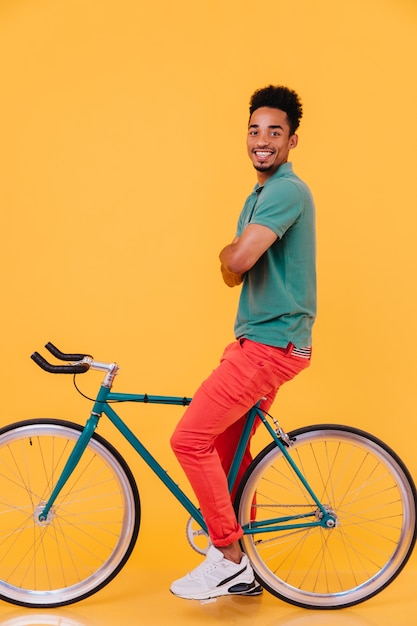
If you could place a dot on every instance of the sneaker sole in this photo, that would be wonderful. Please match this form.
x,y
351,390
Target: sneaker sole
x,y
252,589
246,590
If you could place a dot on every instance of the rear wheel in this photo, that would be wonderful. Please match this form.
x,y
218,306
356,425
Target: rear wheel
x,y
91,529
360,481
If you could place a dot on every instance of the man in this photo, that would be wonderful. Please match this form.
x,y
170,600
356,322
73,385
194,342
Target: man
x,y
273,258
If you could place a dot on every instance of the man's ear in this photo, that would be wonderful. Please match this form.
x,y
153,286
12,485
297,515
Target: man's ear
x,y
293,141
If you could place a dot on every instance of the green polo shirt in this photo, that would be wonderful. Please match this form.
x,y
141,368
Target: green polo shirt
x,y
278,298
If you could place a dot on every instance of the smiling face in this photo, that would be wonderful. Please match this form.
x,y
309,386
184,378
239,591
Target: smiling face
x,y
269,141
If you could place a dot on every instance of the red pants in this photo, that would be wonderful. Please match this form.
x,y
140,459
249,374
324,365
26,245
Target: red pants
x,y
206,437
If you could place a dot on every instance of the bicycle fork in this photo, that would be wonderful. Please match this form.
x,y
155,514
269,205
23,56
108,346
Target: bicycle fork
x,y
70,465
76,454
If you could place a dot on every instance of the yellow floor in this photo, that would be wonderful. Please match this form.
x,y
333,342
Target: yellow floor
x,y
140,596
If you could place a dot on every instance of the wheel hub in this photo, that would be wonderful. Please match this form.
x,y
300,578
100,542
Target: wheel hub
x,y
330,517
40,520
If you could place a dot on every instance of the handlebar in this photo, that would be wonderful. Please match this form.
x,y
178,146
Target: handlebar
x,y
62,355
82,365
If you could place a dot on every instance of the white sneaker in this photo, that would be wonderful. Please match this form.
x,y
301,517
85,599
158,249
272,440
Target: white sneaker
x,y
217,576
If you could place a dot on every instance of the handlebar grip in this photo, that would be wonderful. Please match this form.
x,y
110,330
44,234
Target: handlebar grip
x,y
78,368
62,356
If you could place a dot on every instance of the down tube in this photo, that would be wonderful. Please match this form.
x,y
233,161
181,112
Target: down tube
x,y
150,460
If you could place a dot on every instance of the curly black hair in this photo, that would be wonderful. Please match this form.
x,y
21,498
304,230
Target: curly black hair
x,y
278,97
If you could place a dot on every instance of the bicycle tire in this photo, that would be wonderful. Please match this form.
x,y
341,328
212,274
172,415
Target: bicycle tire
x,y
91,529
371,492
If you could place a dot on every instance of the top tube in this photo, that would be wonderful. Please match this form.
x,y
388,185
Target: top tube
x,y
147,399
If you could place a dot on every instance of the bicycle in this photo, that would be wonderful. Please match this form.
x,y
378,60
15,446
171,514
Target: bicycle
x,y
328,511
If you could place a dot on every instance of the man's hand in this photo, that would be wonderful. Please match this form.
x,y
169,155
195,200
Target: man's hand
x,y
231,279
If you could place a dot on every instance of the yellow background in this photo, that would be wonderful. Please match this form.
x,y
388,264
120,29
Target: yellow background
x,y
123,170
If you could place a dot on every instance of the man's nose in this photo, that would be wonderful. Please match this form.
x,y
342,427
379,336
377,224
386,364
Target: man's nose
x,y
262,139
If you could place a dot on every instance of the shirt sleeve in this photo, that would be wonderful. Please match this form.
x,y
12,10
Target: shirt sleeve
x,y
278,207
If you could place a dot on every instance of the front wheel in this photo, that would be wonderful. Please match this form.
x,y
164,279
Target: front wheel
x,y
91,529
363,484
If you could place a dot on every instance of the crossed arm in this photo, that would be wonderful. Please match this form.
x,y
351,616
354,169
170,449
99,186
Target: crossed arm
x,y
240,255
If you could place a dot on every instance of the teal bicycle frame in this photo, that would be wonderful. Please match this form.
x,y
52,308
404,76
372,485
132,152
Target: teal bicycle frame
x,y
102,405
